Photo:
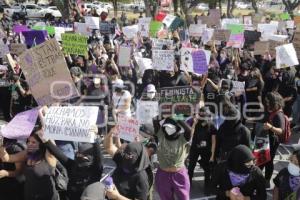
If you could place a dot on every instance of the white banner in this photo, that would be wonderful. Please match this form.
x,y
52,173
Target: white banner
x,y
92,22
71,123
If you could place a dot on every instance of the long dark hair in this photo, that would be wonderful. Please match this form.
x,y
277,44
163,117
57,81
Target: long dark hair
x,y
40,154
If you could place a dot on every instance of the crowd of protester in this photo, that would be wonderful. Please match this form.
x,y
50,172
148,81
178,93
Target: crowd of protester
x,y
223,149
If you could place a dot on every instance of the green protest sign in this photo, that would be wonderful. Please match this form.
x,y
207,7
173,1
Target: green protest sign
x,y
74,44
235,28
155,26
285,16
49,29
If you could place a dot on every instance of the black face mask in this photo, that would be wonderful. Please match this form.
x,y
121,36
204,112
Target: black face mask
x,y
84,160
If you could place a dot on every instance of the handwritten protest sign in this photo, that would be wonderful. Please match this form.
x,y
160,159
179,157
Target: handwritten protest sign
x,y
50,29
261,47
71,123
155,26
180,99
296,42
74,44
267,28
193,60
21,126
124,56
82,28
130,31
106,28
196,30
146,111
34,37
286,56
238,87
236,40
47,74
92,22
221,35
17,48
159,43
128,128
163,60
20,28
207,35
144,26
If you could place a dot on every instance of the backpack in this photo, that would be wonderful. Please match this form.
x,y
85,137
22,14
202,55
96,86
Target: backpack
x,y
61,178
283,138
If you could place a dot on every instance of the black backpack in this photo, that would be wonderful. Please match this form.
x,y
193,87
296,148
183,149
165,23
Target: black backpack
x,y
61,177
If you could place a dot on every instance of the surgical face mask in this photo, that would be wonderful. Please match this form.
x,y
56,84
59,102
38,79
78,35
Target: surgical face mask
x,y
151,95
294,169
170,130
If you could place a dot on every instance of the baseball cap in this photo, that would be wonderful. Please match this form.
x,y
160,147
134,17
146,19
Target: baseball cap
x,y
150,88
118,83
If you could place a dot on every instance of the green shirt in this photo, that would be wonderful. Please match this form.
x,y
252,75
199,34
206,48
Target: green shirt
x,y
171,153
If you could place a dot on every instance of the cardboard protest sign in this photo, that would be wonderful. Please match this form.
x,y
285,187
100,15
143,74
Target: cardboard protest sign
x,y
47,74
163,60
130,31
124,56
106,28
34,37
58,32
128,128
196,30
50,29
155,26
215,17
286,56
146,111
21,126
179,100
17,48
72,123
159,43
261,47
221,35
207,35
20,28
92,22
82,28
74,44
144,26
296,43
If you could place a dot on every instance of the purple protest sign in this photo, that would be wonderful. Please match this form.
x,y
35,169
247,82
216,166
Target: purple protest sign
x,y
199,62
34,37
21,126
20,28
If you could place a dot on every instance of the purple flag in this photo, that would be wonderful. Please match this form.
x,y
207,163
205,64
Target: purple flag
x,y
21,126
34,37
20,28
199,62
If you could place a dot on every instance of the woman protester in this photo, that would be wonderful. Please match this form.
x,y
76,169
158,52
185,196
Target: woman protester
x,y
238,178
85,169
132,160
287,182
38,170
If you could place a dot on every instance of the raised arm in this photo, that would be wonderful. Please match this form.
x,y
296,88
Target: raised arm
x,y
109,146
13,158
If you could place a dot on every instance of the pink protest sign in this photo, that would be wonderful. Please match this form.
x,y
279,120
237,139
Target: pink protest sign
x,y
128,128
21,126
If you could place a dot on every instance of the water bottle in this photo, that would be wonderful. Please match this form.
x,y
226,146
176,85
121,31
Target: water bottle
x,y
109,183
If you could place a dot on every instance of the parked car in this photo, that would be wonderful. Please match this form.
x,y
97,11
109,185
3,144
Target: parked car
x,y
99,9
202,6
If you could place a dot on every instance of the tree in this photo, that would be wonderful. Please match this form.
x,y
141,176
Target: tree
x,y
254,5
115,5
291,5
